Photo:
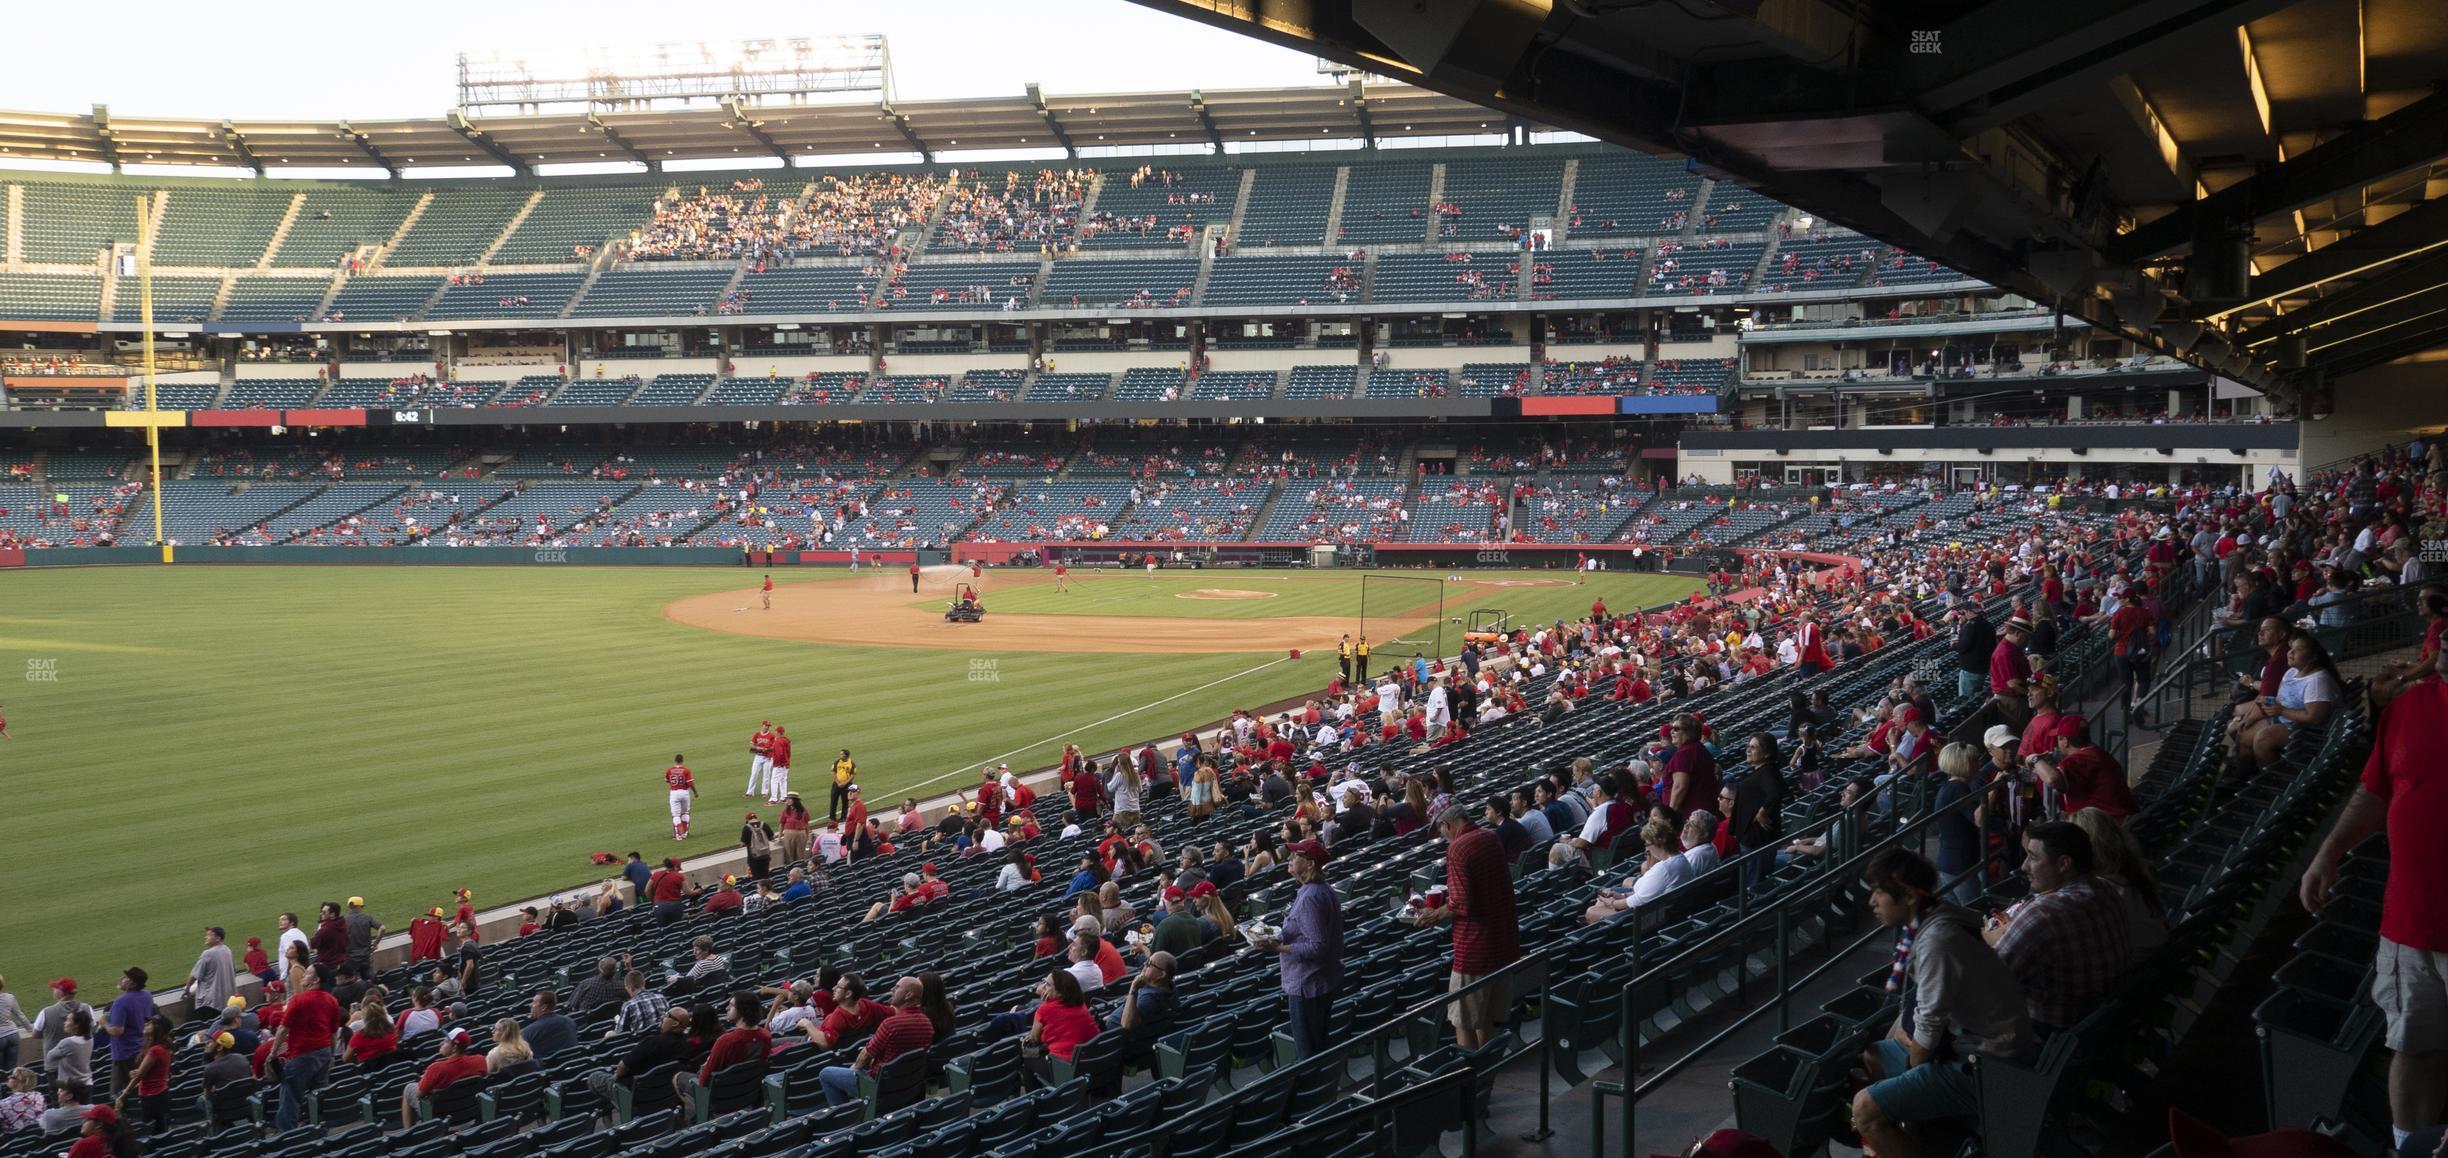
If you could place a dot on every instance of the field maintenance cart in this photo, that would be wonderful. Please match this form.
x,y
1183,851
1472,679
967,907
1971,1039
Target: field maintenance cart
x,y
1487,625
964,607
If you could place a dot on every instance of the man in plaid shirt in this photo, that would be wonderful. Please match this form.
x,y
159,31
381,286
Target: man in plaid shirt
x,y
2067,944
644,1009
1486,931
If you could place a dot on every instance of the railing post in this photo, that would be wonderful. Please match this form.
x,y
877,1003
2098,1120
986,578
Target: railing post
x,y
1546,1062
1783,951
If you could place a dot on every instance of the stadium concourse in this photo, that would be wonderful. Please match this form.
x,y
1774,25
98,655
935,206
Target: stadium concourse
x,y
1383,918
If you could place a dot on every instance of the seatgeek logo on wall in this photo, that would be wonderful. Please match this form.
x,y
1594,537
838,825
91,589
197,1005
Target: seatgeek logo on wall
x,y
552,555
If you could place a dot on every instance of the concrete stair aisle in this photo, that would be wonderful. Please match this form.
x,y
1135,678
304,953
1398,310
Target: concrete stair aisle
x,y
382,252
509,227
1368,277
1564,200
221,297
392,496
110,290
593,272
1241,200
280,233
1436,193
1699,205
1275,493
435,298
1334,205
331,292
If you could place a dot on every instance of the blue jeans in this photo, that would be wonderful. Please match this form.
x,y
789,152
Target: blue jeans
x,y
840,1085
300,1076
1926,1092
1003,1025
1308,1017
1970,683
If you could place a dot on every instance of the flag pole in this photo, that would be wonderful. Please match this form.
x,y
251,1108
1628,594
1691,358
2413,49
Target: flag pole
x,y
144,283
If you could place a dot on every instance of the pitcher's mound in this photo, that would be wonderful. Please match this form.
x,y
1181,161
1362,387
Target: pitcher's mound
x,y
1224,593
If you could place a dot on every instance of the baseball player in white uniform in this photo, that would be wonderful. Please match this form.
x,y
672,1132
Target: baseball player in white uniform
x,y
760,758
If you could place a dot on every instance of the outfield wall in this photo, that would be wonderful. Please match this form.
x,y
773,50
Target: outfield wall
x,y
361,556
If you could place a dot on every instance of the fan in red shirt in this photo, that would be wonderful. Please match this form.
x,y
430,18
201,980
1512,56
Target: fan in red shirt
x,y
425,936
467,911
777,778
1486,931
726,899
2087,776
458,1062
989,797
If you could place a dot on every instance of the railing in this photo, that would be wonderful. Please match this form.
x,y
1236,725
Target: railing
x,y
1847,833
2375,622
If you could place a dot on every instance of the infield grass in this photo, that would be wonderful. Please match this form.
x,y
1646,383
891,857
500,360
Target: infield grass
x,y
207,745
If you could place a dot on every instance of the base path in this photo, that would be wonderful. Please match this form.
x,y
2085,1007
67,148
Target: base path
x,y
874,611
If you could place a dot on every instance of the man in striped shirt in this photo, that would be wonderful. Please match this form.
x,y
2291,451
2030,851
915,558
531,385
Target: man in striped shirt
x,y
643,1009
1486,933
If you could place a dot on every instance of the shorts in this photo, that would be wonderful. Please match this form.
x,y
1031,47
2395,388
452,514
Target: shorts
x,y
679,805
1926,1092
1480,1008
2410,986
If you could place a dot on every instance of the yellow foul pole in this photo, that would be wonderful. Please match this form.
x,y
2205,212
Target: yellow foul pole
x,y
144,282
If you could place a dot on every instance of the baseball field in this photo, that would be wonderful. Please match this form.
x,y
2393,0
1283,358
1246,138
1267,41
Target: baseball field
x,y
200,745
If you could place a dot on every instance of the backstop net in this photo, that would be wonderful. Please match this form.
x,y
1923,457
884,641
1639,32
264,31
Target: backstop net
x,y
1404,615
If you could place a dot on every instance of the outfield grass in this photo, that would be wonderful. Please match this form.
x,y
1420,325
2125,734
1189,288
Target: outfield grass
x,y
218,745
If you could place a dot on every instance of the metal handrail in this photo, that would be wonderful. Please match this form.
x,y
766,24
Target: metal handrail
x,y
1457,1082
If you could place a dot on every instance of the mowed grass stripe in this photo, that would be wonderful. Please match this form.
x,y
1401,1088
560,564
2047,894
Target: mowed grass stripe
x,y
307,733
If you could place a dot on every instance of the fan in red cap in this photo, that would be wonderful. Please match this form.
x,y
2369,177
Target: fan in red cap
x,y
459,1062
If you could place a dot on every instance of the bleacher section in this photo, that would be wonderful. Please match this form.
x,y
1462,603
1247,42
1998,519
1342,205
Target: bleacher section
x,y
825,389
1629,195
221,227
52,297
71,224
177,396
606,391
85,465
1201,509
920,510
1147,214
381,299
1568,274
1069,387
33,514
1690,375
1495,380
988,386
1611,376
271,393
1342,510
648,292
747,392
1287,206
1321,383
906,389
1897,267
1385,202
339,502
524,518
1149,384
1823,262
1458,510
1495,198
653,516
1234,386
673,390
1703,269
969,286
571,219
528,390
372,392
1734,209
1063,509
197,511
507,295
807,289
1410,383
336,219
1578,509
273,300
183,300
551,463
461,222
1281,281
1439,277
1157,283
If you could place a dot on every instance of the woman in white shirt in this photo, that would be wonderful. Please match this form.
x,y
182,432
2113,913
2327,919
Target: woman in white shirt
x,y
1663,869
2310,690
1014,874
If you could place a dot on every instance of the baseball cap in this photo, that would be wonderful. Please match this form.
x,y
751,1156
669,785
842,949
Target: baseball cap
x,y
1203,889
1315,851
751,816
729,880
216,931
435,911
102,1114
927,868
1174,893
460,1038
254,942
909,880
224,1040
356,902
1998,736
234,1002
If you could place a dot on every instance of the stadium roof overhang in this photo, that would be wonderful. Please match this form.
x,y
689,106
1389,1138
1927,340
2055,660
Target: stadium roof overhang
x,y
737,130
2253,184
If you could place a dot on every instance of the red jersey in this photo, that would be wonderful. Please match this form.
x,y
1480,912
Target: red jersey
x,y
781,751
858,815
762,742
666,885
769,586
678,777
425,939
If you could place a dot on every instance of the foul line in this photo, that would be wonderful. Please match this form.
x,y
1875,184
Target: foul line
x,y
990,760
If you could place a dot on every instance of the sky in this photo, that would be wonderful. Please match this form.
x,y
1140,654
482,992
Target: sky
x,y
277,60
